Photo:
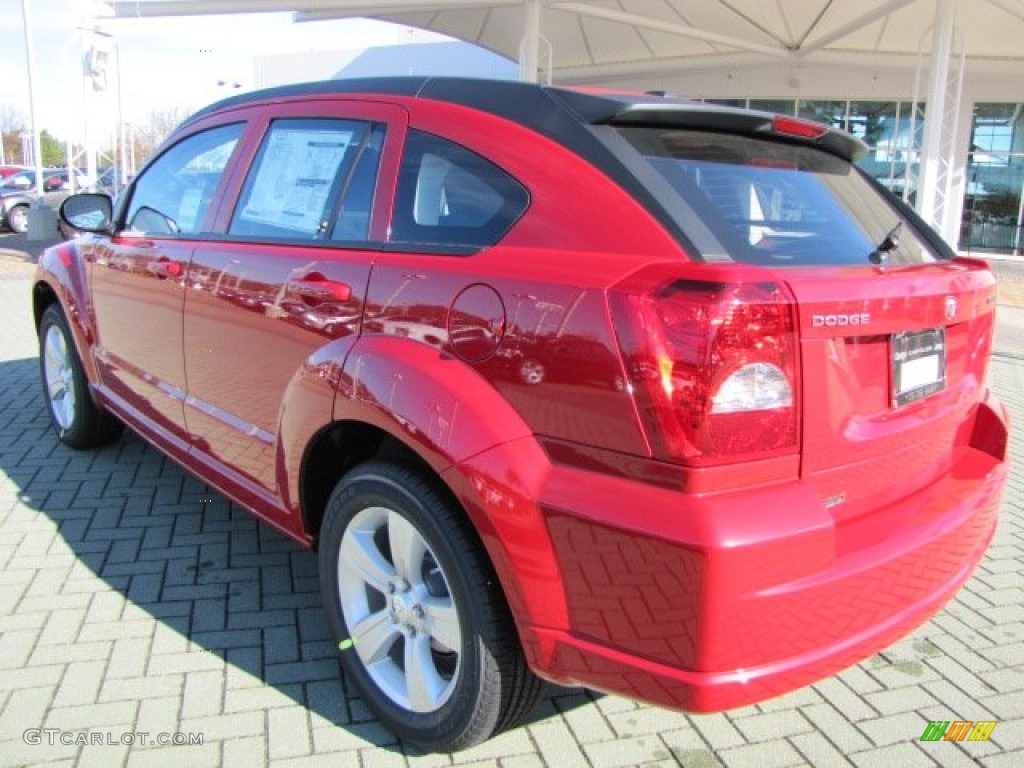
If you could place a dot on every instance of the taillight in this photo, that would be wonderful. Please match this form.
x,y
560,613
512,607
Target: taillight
x,y
801,129
712,365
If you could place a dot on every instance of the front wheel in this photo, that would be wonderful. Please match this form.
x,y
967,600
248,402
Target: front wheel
x,y
78,421
422,626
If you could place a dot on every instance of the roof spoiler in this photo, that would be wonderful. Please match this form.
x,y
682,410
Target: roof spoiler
x,y
635,109
710,117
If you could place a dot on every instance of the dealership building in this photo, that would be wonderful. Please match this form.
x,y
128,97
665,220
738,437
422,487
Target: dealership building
x,y
935,88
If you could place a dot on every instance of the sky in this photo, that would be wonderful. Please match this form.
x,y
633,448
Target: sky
x,y
164,62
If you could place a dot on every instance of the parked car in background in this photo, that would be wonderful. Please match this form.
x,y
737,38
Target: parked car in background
x,y
18,190
660,398
10,170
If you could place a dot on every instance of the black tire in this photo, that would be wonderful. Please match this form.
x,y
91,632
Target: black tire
x,y
77,419
17,219
490,687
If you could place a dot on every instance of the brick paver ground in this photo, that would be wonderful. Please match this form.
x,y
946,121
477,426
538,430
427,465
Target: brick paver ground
x,y
135,600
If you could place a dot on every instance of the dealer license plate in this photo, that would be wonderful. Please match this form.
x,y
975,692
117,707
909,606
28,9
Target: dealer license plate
x,y
918,365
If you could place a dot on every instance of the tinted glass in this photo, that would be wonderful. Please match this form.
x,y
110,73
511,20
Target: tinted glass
x,y
299,178
448,195
22,180
173,195
352,222
774,203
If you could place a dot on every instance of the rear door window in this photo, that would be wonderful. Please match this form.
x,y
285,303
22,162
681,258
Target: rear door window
x,y
312,179
774,203
449,195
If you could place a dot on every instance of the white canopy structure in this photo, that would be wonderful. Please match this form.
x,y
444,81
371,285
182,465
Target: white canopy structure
x,y
942,53
597,40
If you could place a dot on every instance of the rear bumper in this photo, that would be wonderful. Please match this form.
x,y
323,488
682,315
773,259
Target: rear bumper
x,y
717,601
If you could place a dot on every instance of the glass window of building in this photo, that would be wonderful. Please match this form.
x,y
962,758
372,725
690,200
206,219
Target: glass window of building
x,y
831,113
782,106
741,103
994,207
893,135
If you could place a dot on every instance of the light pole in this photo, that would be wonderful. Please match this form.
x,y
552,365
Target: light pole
x,y
121,152
42,220
33,117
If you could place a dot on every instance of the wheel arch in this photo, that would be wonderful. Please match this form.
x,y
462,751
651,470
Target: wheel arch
x,y
61,279
336,449
43,296
403,400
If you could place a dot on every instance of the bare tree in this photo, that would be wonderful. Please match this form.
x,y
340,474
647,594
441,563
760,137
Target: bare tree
x,y
12,125
149,134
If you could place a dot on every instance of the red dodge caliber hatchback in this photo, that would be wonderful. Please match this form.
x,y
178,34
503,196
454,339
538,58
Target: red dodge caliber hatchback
x,y
660,398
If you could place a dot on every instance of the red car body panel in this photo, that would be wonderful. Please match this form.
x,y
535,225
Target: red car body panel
x,y
695,586
236,421
137,295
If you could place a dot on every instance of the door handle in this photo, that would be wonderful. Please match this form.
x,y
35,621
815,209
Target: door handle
x,y
323,290
164,267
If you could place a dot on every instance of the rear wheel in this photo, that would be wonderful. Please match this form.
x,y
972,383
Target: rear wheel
x,y
78,421
422,625
17,219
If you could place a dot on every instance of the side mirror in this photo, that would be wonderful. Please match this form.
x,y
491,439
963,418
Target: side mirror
x,y
88,212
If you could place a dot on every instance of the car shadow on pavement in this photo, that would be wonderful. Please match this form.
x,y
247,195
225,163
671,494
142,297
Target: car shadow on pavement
x,y
225,590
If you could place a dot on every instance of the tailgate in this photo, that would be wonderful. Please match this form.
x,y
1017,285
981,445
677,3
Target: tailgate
x,y
893,364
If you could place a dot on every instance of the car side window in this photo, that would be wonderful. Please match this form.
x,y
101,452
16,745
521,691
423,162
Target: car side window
x,y
449,195
173,195
311,179
352,222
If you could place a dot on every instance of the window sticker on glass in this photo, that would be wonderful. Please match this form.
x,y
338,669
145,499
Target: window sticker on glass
x,y
295,177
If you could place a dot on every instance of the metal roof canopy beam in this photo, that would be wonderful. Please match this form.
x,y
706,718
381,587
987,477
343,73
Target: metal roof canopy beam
x,y
157,8
368,8
657,25
852,26
724,62
303,10
134,9
1007,8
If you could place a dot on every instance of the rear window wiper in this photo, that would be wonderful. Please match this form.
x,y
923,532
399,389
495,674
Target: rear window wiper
x,y
889,243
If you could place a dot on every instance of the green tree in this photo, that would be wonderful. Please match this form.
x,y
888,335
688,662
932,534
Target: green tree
x,y
54,151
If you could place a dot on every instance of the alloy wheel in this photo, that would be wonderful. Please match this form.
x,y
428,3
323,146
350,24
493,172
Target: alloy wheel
x,y
401,615
60,377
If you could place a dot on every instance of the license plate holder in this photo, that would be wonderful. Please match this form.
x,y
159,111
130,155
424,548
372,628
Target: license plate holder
x,y
918,365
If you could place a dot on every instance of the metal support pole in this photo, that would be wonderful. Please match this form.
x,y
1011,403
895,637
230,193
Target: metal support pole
x,y
87,132
1018,241
33,117
122,149
529,48
929,196
69,162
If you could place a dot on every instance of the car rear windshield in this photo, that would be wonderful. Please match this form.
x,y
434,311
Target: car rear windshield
x,y
772,203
